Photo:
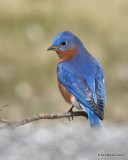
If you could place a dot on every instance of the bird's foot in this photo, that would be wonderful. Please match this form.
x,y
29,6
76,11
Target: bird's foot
x,y
71,111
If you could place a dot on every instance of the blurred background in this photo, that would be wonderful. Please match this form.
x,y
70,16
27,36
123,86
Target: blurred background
x,y
28,72
28,82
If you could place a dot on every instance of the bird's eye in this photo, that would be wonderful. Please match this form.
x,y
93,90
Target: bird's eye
x,y
63,43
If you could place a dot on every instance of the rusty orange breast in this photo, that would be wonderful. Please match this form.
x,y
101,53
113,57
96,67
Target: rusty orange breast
x,y
65,93
64,55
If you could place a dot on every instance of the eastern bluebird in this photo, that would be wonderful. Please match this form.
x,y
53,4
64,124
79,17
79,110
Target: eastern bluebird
x,y
80,77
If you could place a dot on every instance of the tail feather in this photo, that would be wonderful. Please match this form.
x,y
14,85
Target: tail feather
x,y
93,118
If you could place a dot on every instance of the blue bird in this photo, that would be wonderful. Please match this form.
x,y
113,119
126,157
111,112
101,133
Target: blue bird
x,y
80,77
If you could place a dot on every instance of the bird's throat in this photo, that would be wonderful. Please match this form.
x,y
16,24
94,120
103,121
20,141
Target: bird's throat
x,y
64,55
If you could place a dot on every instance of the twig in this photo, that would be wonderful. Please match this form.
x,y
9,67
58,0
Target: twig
x,y
14,124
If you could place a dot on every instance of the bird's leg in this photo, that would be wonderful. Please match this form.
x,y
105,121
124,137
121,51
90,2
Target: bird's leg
x,y
70,110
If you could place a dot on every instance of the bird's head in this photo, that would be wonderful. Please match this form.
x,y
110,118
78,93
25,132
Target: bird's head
x,y
66,45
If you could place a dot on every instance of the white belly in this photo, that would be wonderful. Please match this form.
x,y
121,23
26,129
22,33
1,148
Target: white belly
x,y
75,102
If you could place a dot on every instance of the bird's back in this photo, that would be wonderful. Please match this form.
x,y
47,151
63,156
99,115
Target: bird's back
x,y
78,74
80,67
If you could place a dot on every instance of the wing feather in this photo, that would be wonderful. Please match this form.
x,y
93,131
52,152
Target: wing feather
x,y
89,91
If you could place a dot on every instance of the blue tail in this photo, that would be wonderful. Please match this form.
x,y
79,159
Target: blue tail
x,y
93,118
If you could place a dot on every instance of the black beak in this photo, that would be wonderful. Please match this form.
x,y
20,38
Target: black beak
x,y
51,48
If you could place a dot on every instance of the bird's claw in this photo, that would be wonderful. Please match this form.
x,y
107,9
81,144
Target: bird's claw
x,y
70,111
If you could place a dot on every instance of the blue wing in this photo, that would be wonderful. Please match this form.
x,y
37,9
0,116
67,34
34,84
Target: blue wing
x,y
87,87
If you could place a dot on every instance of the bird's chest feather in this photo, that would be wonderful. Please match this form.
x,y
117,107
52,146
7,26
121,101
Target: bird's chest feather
x,y
68,96
65,93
